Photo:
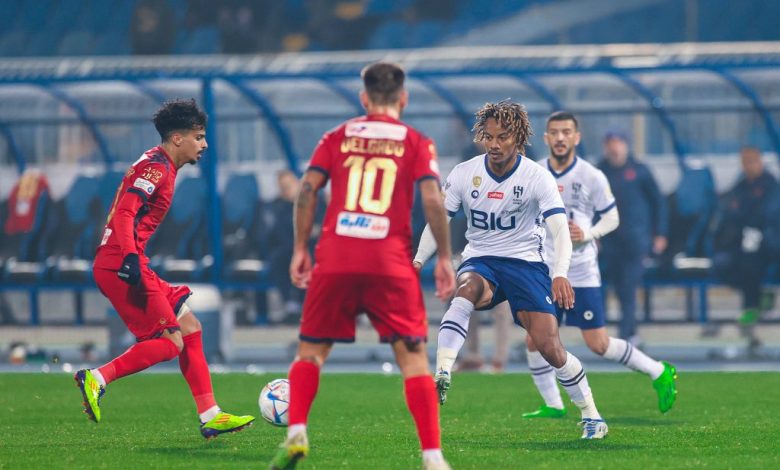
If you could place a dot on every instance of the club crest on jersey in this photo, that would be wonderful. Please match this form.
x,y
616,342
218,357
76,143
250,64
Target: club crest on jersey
x,y
474,194
495,195
476,181
355,225
518,190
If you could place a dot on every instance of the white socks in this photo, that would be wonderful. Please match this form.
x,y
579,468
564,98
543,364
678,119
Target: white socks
x,y
544,379
623,352
294,429
433,455
572,377
452,333
99,377
209,414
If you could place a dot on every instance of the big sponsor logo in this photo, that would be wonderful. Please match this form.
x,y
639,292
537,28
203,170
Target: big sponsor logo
x,y
490,221
356,225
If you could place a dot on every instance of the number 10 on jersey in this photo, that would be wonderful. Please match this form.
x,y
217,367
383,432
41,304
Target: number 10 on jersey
x,y
363,194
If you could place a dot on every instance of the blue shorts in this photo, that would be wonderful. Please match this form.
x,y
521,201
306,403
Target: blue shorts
x,y
526,285
588,312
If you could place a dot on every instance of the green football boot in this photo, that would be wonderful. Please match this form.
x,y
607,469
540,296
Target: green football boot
x,y
225,422
546,412
666,388
290,452
443,382
91,391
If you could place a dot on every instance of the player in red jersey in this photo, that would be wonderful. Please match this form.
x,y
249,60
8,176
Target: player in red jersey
x,y
364,255
153,310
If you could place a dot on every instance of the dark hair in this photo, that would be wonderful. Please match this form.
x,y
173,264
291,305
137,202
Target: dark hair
x,y
178,115
563,116
383,82
511,116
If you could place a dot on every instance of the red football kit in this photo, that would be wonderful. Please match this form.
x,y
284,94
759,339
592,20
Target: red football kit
x,y
363,261
140,205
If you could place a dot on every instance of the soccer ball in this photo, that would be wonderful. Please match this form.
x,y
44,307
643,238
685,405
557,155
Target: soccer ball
x,y
273,401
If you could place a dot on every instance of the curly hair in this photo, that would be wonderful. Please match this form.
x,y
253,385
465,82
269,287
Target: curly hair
x,y
178,115
511,116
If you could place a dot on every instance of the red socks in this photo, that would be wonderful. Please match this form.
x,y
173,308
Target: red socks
x,y
304,377
423,404
195,370
138,357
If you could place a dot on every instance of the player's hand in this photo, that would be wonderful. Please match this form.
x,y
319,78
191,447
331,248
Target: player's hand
x,y
577,235
417,265
562,293
130,271
300,268
444,276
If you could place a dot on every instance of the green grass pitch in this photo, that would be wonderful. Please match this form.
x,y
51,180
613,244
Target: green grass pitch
x,y
359,421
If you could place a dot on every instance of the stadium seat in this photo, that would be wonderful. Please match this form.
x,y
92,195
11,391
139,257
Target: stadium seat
x,y
71,234
241,222
76,43
24,223
178,248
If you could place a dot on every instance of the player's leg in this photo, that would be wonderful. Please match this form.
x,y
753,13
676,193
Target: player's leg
x,y
626,283
304,377
329,311
662,374
474,291
150,319
195,369
420,393
544,378
543,329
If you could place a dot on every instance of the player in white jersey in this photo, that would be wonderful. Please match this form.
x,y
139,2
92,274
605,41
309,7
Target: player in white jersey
x,y
586,195
508,199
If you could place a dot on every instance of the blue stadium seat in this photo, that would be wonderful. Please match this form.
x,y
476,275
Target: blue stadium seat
x,y
179,248
76,43
14,44
72,231
202,40
241,229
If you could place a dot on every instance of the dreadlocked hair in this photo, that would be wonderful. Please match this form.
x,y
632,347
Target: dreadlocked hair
x,y
511,116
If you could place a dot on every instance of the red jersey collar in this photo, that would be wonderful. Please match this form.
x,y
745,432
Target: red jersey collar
x,y
162,150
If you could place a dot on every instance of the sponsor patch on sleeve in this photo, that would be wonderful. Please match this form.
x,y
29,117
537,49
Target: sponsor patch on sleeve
x,y
144,185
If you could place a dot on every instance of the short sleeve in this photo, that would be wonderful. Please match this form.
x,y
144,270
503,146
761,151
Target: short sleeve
x,y
601,195
550,201
426,164
322,157
452,192
148,178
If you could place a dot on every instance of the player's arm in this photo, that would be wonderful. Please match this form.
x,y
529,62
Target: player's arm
x,y
562,291
124,214
438,227
303,219
608,221
427,246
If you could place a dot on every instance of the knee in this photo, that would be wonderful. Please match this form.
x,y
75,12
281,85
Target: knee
x,y
470,289
177,341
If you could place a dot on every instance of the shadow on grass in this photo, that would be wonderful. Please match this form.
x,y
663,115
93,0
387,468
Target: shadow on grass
x,y
579,445
205,454
629,421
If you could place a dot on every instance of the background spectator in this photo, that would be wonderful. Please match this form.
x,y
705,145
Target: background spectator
x,y
642,230
743,253
153,28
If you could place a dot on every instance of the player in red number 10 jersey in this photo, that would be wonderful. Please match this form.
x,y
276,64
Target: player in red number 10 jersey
x,y
364,255
153,310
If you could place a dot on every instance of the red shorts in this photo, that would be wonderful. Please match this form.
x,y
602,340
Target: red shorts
x,y
147,309
334,300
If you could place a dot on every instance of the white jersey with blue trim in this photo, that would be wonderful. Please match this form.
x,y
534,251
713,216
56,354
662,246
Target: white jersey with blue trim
x,y
505,214
586,193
